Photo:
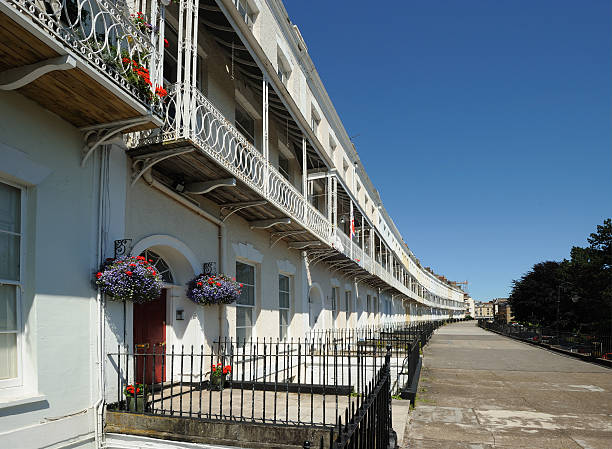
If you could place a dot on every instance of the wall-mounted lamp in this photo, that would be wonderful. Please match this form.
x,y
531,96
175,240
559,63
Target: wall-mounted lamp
x,y
180,314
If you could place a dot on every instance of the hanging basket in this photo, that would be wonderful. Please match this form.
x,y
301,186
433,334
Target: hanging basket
x,y
129,279
207,289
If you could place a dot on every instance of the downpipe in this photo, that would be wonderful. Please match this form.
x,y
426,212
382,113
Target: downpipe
x,y
98,406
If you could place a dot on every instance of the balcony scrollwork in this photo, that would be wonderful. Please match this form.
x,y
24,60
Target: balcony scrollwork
x,y
103,34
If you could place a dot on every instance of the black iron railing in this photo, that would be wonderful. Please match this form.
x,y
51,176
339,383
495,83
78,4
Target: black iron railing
x,y
596,346
302,382
368,423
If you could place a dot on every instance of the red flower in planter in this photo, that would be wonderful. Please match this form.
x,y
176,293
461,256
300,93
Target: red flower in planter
x,y
129,273
166,43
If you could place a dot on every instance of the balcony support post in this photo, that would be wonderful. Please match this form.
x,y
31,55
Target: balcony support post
x,y
304,168
265,130
186,64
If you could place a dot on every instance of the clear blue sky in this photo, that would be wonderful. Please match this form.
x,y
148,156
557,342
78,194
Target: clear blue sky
x,y
485,125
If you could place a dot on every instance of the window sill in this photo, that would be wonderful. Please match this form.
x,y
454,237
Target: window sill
x,y
19,398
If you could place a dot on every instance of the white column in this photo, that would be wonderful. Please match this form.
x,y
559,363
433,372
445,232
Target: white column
x,y
304,169
329,201
265,149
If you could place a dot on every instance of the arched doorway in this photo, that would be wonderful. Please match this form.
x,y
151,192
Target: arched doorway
x,y
149,327
315,307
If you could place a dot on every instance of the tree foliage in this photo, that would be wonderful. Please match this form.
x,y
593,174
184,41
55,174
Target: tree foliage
x,y
576,294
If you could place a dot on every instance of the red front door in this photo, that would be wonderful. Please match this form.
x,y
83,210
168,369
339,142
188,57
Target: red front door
x,y
150,340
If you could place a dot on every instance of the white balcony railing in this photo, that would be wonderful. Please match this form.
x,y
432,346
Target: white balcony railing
x,y
102,33
190,115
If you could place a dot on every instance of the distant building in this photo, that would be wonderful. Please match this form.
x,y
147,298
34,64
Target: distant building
x,y
469,305
484,311
503,311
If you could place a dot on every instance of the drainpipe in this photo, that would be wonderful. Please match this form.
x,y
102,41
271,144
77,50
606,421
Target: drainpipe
x,y
98,406
221,259
190,204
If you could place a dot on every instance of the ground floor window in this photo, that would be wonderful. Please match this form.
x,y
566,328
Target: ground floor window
x,y
10,281
347,303
245,274
334,302
284,305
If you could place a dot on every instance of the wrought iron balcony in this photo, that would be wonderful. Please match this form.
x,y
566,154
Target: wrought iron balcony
x,y
353,251
190,116
193,127
53,49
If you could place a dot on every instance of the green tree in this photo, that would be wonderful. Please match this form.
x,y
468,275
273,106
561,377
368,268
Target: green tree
x,y
590,273
576,292
534,296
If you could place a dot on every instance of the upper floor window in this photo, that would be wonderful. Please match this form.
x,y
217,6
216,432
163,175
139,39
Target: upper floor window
x,y
283,166
332,144
170,54
283,68
315,120
246,11
10,282
245,124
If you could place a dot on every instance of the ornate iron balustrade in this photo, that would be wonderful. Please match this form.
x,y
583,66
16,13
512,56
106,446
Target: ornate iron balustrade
x,y
190,115
102,34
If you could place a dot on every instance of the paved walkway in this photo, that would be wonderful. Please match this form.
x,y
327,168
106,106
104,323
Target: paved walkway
x,y
479,390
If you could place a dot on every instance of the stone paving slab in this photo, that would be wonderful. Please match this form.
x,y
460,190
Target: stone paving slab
x,y
480,390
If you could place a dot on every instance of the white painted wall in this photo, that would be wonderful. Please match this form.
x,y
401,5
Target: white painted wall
x,y
53,403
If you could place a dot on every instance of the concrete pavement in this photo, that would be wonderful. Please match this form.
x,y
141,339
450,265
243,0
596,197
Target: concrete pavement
x,y
479,390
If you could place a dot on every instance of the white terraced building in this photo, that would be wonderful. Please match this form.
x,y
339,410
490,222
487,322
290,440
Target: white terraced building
x,y
244,166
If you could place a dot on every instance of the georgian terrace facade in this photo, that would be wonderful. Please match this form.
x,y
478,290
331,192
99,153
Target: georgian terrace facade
x,y
244,164
247,129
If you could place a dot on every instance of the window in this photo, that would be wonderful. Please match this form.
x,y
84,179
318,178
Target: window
x,y
334,301
245,124
160,265
347,303
283,166
245,274
284,305
332,144
170,54
369,304
282,67
246,12
10,281
315,120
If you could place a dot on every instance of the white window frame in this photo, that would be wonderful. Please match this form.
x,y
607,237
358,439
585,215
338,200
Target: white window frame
x,y
18,380
315,120
250,12
283,69
251,307
334,302
348,297
288,309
